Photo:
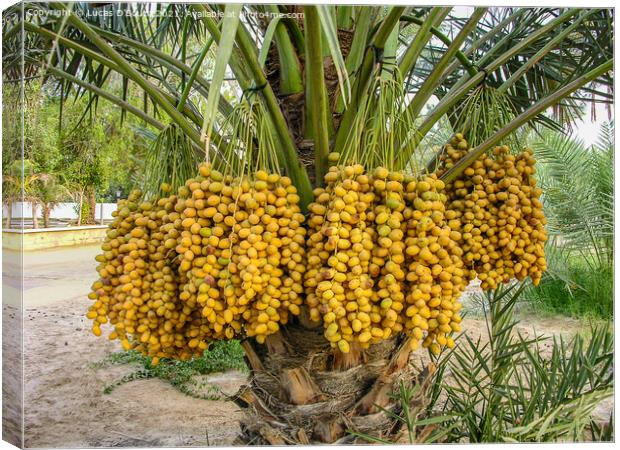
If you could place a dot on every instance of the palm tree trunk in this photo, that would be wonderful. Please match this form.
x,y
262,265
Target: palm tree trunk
x,y
80,204
92,204
46,215
301,391
35,219
9,215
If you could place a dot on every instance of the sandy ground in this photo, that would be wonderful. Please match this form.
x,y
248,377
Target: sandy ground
x,y
11,375
11,345
63,389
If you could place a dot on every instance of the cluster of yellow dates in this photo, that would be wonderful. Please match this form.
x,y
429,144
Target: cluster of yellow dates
x,y
382,252
496,204
382,259
221,259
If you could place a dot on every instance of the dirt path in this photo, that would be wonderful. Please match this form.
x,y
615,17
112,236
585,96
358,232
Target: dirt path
x,y
64,401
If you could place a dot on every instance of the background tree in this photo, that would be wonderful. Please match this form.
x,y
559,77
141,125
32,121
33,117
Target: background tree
x,y
62,142
11,188
49,193
21,182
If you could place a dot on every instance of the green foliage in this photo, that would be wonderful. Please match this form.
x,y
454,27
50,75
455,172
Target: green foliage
x,y
38,132
225,48
578,192
170,157
585,292
22,181
11,129
502,30
220,357
562,390
510,389
82,155
513,389
50,190
538,57
603,432
13,181
75,149
412,401
577,185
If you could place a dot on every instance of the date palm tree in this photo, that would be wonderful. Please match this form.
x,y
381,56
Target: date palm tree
x,y
580,208
12,189
22,182
49,193
313,68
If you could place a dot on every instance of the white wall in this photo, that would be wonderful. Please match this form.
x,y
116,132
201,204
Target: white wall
x,y
61,211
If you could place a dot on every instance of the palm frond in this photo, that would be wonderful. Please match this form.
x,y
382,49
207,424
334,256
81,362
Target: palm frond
x,y
580,208
507,389
589,43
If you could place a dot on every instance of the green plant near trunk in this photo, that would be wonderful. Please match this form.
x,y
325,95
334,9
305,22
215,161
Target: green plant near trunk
x,y
505,387
221,357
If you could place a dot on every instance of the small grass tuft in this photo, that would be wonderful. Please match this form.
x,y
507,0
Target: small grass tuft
x,y
220,357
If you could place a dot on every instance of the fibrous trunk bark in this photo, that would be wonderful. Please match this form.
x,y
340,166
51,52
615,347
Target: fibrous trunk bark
x,y
35,219
9,215
92,205
46,215
301,391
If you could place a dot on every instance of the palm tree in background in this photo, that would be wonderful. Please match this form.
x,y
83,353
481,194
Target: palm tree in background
x,y
487,72
50,192
12,189
22,182
578,182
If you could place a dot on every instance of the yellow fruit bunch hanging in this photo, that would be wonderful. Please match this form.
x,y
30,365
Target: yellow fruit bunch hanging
x,y
496,204
223,258
241,251
382,259
339,252
435,273
137,289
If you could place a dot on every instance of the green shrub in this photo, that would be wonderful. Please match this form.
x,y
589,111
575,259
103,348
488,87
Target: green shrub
x,y
220,357
509,388
589,293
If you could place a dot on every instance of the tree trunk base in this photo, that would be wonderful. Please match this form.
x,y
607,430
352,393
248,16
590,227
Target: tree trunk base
x,y
301,391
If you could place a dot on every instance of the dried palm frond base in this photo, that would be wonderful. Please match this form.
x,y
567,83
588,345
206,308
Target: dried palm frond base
x,y
305,151
301,391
